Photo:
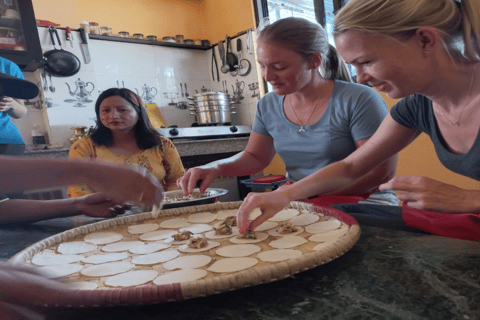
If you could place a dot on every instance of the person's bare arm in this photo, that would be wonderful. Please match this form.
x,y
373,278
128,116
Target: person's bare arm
x,y
15,108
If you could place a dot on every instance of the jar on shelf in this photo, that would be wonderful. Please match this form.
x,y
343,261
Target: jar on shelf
x,y
179,38
85,25
106,31
152,38
94,28
123,34
138,36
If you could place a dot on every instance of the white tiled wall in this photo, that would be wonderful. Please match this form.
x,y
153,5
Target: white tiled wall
x,y
132,66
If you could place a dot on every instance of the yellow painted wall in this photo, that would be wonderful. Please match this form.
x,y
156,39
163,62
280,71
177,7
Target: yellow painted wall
x,y
195,19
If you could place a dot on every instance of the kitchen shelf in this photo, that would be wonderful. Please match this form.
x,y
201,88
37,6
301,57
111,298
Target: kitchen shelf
x,y
150,42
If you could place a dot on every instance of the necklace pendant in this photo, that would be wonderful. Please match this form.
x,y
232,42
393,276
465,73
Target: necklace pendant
x,y
302,129
456,124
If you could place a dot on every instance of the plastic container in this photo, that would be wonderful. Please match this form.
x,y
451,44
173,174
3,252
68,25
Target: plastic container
x,y
138,36
94,28
123,34
106,31
152,38
179,38
85,25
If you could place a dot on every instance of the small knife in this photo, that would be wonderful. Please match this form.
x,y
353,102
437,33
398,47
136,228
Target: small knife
x,y
86,52
69,35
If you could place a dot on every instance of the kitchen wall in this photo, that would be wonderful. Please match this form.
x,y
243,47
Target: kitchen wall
x,y
130,65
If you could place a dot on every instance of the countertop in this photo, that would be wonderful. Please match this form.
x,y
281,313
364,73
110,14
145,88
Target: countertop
x,y
388,274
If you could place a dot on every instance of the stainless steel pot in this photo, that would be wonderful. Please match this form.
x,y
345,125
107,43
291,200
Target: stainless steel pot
x,y
213,117
212,107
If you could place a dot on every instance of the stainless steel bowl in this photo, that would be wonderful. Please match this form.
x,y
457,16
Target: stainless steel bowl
x,y
213,194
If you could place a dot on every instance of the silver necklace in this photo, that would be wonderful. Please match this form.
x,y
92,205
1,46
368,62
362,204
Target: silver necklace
x,y
302,126
457,122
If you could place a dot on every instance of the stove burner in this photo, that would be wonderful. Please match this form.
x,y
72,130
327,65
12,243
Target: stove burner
x,y
195,124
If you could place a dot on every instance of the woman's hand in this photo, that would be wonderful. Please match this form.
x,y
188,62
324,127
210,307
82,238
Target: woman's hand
x,y
270,204
100,206
428,194
189,180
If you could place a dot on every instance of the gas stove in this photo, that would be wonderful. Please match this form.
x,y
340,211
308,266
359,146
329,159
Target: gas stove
x,y
206,132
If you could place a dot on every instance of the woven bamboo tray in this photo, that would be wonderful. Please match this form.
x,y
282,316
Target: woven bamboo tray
x,y
213,283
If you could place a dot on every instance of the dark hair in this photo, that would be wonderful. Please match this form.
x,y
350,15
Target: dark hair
x,y
306,38
146,136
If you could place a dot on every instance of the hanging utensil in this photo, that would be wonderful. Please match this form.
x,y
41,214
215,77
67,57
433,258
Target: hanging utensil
x,y
52,88
44,77
249,41
232,60
181,88
214,60
60,62
69,37
244,65
186,91
224,68
84,45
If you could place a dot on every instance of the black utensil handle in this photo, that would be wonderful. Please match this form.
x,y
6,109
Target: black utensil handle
x,y
83,35
239,44
50,30
58,37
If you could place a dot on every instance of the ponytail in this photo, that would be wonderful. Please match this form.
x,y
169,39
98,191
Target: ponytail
x,y
333,67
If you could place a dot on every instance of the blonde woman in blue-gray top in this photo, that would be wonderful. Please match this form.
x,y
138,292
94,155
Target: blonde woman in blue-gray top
x,y
315,116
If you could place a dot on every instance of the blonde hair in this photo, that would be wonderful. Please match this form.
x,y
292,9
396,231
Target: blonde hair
x,y
306,38
458,21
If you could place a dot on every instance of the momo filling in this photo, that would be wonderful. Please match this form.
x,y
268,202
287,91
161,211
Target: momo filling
x,y
197,243
184,235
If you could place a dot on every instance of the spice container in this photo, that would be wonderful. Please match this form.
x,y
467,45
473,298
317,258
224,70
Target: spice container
x,y
123,34
206,43
152,38
188,41
168,39
198,42
106,31
179,38
85,25
94,28
138,36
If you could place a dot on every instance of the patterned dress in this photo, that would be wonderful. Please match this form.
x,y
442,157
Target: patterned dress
x,y
163,161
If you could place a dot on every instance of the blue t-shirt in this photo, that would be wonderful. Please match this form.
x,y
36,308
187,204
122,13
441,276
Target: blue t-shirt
x,y
354,112
8,131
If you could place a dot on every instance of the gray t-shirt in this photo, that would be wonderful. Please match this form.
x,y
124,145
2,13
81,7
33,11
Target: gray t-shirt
x,y
416,111
354,112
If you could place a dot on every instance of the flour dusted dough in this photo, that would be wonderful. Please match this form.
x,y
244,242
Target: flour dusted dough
x,y
224,214
275,232
238,250
76,247
329,236
260,237
284,215
104,258
149,248
107,269
180,276
52,259
122,246
131,278
211,234
202,217
279,255
155,258
197,228
103,237
186,248
59,271
175,223
82,285
157,235
323,226
187,262
288,242
232,264
267,225
143,228
305,219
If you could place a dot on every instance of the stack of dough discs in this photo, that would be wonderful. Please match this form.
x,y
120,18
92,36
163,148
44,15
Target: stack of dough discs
x,y
284,215
107,269
76,247
187,262
323,226
143,228
103,237
238,250
104,258
131,278
180,276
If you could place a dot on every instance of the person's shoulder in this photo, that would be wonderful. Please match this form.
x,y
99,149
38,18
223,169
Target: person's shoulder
x,y
413,101
355,88
270,97
10,68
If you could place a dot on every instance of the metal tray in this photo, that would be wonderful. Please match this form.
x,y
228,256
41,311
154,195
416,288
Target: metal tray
x,y
213,194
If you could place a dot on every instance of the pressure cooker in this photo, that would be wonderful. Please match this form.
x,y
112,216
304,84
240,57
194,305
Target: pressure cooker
x,y
212,107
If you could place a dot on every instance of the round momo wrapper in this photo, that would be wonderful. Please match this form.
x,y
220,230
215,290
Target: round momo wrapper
x,y
238,250
104,258
187,262
59,271
52,259
157,235
232,264
329,236
76,247
175,223
284,215
142,228
197,228
103,237
107,269
187,249
255,214
122,246
155,258
323,226
149,248
287,242
131,278
82,285
180,276
267,225
260,237
278,255
202,217
211,234
224,214
275,233
305,219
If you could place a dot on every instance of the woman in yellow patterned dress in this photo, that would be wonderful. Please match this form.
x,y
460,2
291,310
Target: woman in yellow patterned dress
x,y
124,135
